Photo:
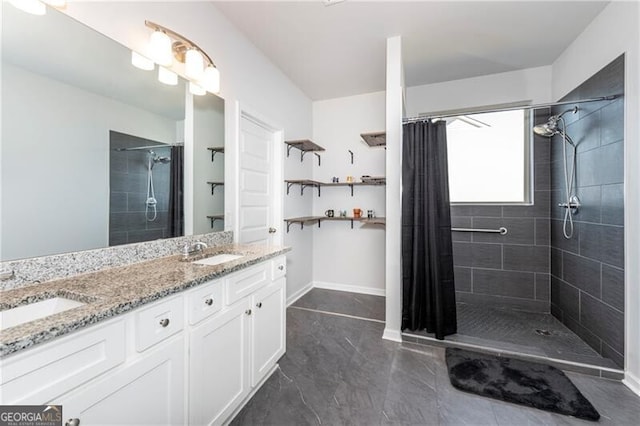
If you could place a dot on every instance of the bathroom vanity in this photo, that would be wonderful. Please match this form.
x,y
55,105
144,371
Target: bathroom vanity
x,y
165,341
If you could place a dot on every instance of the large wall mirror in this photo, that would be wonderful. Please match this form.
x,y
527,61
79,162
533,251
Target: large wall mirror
x,y
92,148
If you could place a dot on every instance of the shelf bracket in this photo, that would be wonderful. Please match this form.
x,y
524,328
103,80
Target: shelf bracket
x,y
351,223
351,153
317,155
289,185
213,155
213,187
289,149
351,186
213,220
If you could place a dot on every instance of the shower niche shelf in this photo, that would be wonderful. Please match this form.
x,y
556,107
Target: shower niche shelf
x,y
214,151
319,219
305,146
214,185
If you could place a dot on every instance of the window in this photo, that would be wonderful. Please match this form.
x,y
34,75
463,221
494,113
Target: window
x,y
489,155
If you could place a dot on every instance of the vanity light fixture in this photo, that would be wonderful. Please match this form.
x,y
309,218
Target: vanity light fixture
x,y
34,7
167,77
139,61
167,45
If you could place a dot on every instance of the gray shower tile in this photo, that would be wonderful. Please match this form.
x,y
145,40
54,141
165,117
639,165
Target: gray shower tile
x,y
602,320
613,204
542,176
502,302
601,166
556,262
118,161
590,200
613,355
460,222
602,242
541,149
585,334
471,210
117,202
526,258
555,211
504,283
582,273
136,201
613,122
117,238
519,231
543,232
126,222
566,298
462,278
606,82
144,235
613,286
559,241
585,132
477,255
556,311
543,287
540,207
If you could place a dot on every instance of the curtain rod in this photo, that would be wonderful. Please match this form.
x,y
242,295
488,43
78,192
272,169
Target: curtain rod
x,y
142,148
513,108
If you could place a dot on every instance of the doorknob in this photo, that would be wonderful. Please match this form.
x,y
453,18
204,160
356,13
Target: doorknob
x,y
272,230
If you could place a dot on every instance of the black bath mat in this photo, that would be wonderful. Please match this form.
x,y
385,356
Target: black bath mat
x,y
521,382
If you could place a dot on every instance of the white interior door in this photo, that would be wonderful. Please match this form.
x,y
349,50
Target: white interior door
x,y
258,169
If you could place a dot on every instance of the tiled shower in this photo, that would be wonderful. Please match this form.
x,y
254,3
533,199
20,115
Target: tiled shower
x,y
533,268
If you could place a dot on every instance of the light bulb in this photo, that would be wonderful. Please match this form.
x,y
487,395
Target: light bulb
x,y
139,61
160,48
167,77
195,89
35,7
194,64
211,79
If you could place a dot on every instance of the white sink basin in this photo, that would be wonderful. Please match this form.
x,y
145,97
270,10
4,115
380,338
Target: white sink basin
x,y
218,259
33,311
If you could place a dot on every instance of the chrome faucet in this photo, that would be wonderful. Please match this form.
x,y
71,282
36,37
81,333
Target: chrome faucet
x,y
190,249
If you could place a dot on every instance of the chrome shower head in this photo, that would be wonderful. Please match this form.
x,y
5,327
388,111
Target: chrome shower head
x,y
163,160
550,128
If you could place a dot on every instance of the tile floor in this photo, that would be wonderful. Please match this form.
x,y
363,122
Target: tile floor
x,y
338,371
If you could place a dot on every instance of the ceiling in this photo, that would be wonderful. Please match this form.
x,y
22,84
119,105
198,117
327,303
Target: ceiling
x,y
339,50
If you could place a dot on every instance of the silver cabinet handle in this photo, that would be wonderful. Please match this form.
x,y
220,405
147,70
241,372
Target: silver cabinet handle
x,y
259,304
208,302
164,322
281,267
248,312
72,422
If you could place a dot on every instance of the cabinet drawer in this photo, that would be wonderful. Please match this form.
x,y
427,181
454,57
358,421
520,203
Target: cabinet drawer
x,y
278,268
246,282
157,322
41,374
205,301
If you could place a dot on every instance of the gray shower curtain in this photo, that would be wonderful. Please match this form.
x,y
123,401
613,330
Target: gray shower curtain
x,y
428,291
176,195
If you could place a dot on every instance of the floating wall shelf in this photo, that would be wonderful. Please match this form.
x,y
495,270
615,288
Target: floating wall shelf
x,y
215,150
319,219
304,183
304,145
214,218
375,138
214,184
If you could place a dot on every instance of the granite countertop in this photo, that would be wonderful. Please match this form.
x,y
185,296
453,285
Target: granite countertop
x,y
114,291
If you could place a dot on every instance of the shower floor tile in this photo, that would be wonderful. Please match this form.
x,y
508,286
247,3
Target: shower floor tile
x,y
529,333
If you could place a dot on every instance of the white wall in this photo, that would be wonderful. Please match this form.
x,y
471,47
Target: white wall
x,y
248,80
55,162
208,131
345,258
613,32
532,84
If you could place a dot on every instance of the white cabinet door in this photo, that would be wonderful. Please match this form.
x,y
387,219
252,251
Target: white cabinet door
x,y
219,365
149,391
268,329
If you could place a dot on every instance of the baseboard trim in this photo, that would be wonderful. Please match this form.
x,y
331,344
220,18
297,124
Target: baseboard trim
x,y
632,382
393,335
298,294
349,288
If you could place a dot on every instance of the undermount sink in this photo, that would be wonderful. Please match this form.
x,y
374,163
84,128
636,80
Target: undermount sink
x,y
33,311
218,259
